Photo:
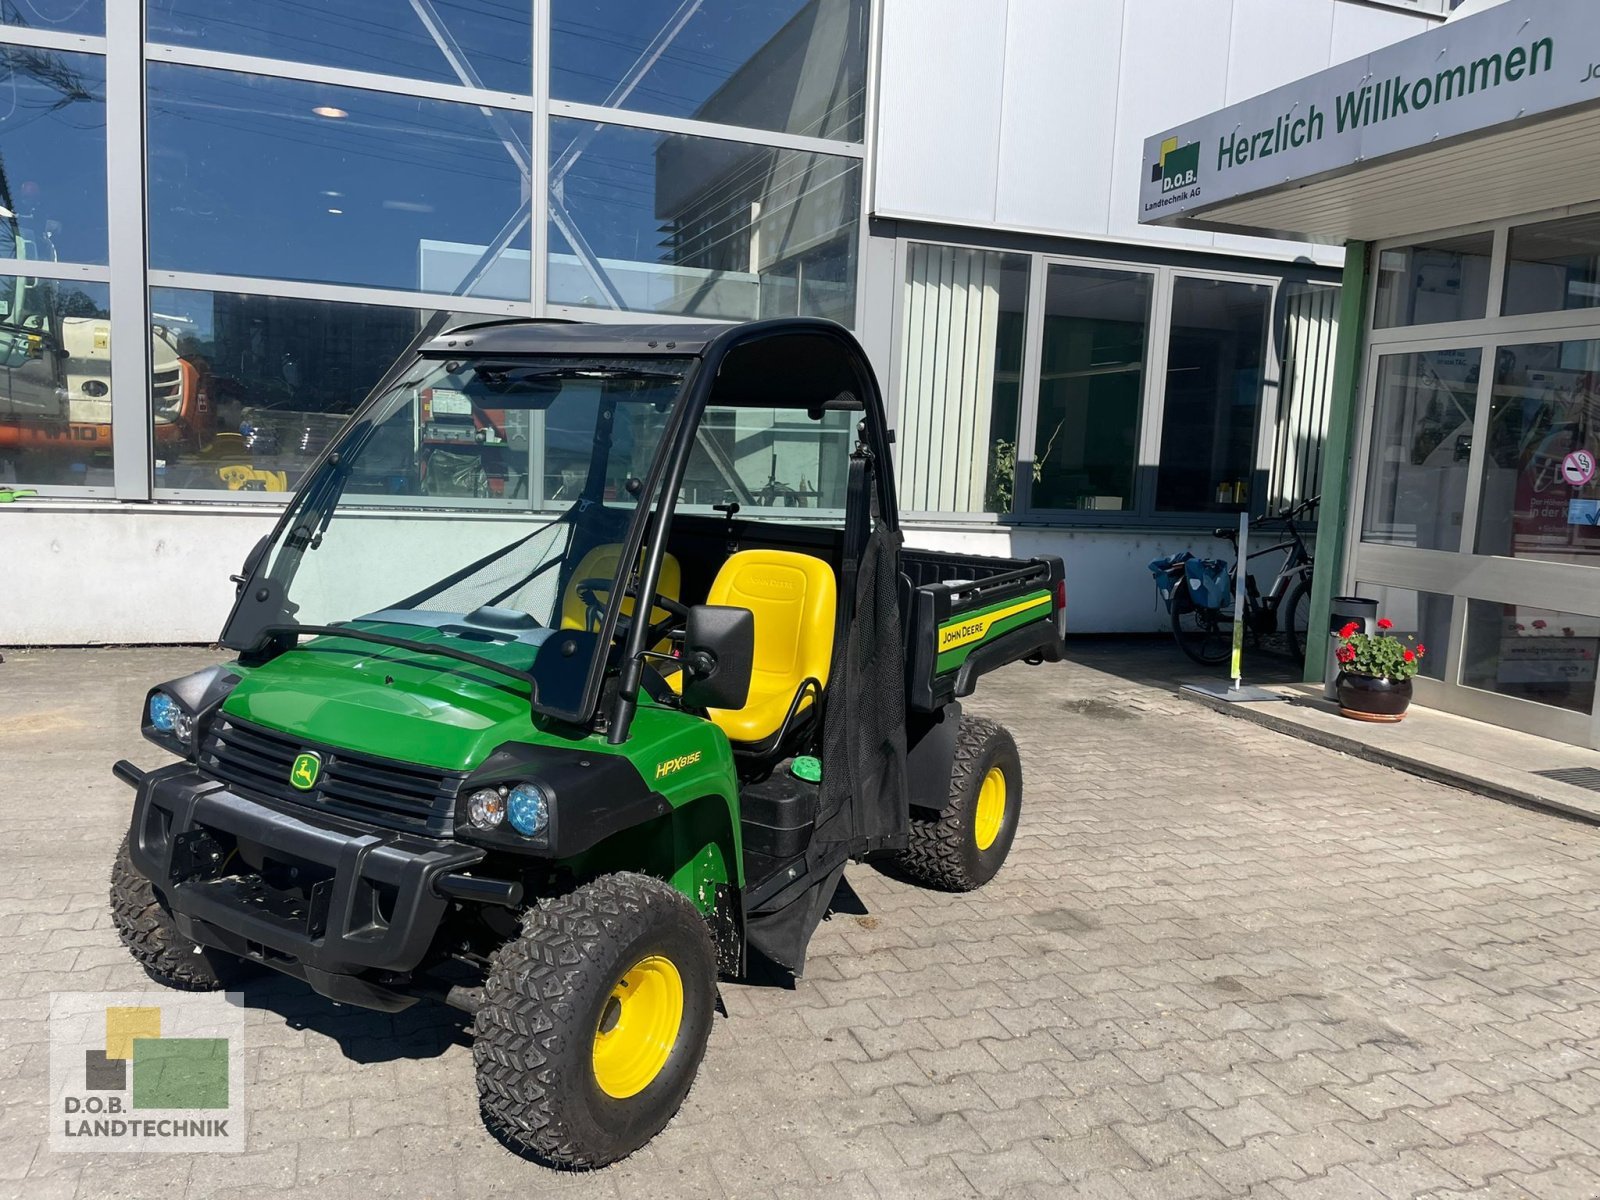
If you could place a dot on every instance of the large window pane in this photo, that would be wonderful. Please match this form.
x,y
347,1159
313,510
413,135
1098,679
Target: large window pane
x,y
666,223
960,379
1554,266
1444,280
249,389
55,383
56,16
1091,382
52,155
1421,448
797,66
1545,407
1531,653
1421,616
291,180
493,37
1213,401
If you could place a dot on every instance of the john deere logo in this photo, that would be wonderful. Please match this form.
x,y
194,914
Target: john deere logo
x,y
305,771
1178,165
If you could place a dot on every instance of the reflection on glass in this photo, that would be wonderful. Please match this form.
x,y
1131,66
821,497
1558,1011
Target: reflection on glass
x,y
772,462
1541,494
55,383
250,389
1554,266
1420,616
291,180
479,43
965,320
1421,449
658,222
1208,428
1531,653
1091,380
52,155
797,66
1444,280
56,16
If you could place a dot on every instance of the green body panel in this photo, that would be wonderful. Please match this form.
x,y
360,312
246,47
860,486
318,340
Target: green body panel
x,y
405,705
967,631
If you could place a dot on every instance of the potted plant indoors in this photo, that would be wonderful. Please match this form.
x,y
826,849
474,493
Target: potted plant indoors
x,y
1375,671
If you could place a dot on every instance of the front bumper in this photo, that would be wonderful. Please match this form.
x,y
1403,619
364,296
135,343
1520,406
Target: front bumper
x,y
339,905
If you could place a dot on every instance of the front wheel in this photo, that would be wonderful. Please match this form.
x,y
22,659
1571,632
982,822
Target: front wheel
x,y
594,1021
147,929
1204,634
962,846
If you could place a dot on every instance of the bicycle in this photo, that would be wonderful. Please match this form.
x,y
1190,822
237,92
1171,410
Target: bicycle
x,y
1201,603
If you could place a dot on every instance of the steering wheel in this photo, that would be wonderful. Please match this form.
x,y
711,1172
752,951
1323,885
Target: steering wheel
x,y
594,609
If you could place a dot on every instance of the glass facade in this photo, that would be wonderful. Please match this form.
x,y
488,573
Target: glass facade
x,y
322,179
1481,506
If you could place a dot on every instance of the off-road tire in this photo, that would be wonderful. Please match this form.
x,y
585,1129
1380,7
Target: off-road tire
x,y
147,929
534,1034
944,850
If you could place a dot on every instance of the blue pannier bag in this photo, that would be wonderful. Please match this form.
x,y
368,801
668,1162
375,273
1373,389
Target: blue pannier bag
x,y
1208,582
1168,574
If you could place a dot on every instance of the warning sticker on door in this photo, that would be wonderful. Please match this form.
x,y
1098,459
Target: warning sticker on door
x,y
1578,468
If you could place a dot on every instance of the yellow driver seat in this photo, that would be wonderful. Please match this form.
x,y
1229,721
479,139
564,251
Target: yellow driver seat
x,y
794,598
601,563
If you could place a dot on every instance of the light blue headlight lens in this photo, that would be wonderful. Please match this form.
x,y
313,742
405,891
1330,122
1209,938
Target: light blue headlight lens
x,y
164,712
528,810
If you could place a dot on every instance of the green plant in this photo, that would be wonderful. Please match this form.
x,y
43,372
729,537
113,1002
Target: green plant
x,y
1379,655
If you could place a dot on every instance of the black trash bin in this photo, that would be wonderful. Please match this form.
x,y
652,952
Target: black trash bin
x,y
1341,612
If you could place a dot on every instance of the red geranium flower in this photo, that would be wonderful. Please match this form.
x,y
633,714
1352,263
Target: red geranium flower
x,y
1421,649
1410,656
1345,654
1350,630
1385,623
1538,625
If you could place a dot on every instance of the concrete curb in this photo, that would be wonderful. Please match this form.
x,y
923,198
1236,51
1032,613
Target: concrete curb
x,y
1523,797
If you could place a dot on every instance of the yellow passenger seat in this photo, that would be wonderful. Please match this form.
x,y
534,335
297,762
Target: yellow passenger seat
x,y
793,598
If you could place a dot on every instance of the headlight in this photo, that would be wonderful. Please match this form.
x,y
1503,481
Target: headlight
x,y
169,717
486,808
529,810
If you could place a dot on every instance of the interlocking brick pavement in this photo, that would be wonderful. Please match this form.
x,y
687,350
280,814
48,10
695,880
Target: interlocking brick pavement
x,y
1219,963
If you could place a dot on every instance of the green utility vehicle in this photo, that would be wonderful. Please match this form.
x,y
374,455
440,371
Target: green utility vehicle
x,y
560,730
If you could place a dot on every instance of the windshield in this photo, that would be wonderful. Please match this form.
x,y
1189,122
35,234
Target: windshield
x,y
466,508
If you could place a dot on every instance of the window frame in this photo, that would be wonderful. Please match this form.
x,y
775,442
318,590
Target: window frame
x,y
1143,514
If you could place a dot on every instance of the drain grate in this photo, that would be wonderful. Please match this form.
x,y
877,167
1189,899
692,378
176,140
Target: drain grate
x,y
1584,777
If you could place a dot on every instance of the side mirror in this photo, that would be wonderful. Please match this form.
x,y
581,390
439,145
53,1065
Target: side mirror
x,y
719,649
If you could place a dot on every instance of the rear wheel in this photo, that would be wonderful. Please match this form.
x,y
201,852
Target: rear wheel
x,y
151,935
1204,634
1296,619
962,846
594,1021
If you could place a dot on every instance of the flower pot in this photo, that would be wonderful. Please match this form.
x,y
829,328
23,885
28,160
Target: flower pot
x,y
1364,698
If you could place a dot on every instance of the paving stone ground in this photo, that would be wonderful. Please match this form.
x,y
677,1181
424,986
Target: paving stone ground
x,y
1219,963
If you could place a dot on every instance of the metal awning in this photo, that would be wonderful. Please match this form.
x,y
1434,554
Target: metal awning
x,y
1485,118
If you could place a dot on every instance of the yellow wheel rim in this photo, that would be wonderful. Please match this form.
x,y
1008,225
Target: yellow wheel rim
x,y
991,808
637,1028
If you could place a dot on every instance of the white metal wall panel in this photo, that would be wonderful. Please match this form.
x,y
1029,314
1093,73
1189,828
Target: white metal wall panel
x,y
1031,114
1059,125
1173,56
1275,42
942,74
1359,30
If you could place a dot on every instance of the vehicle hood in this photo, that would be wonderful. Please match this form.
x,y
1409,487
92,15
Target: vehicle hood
x,y
395,703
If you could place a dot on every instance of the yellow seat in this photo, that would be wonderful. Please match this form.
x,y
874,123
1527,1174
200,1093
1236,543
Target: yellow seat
x,y
601,563
793,598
